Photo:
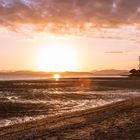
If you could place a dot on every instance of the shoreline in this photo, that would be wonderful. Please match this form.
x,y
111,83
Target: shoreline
x,y
91,123
71,79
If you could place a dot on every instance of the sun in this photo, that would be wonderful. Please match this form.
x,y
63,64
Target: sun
x,y
56,76
57,58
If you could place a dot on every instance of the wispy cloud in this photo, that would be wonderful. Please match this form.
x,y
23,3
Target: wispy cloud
x,y
137,43
117,52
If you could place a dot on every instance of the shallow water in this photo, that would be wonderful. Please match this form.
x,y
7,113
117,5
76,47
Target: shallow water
x,y
22,101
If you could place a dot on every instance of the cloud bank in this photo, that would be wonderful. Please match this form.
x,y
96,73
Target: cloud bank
x,y
72,16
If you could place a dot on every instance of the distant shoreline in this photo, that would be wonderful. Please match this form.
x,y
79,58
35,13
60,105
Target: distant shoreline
x,y
20,77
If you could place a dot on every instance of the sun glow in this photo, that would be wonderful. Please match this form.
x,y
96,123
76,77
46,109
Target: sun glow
x,y
56,76
57,57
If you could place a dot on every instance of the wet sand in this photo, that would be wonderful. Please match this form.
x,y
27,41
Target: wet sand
x,y
28,100
117,121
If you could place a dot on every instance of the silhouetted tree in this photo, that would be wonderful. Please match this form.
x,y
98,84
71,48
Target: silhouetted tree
x,y
133,71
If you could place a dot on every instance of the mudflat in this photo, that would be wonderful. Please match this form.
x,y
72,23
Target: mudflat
x,y
116,121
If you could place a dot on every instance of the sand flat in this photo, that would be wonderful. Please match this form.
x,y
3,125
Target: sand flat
x,y
119,120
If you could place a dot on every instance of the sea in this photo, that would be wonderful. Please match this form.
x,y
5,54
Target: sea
x,y
26,98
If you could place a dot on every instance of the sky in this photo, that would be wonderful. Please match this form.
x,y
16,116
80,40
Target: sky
x,y
69,35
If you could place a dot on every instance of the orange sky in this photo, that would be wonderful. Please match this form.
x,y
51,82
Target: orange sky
x,y
48,36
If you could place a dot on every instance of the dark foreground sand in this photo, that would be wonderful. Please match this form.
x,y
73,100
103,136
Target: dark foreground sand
x,y
118,121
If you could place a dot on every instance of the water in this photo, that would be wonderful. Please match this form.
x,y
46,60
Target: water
x,y
6,77
22,101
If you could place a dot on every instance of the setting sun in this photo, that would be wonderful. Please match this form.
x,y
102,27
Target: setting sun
x,y
56,76
57,57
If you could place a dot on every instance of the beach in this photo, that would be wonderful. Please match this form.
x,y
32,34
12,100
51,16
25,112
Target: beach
x,y
119,120
71,108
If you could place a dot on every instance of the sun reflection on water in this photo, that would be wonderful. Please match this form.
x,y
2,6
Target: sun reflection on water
x,y
56,76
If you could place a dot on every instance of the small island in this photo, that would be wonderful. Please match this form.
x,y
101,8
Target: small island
x,y
135,72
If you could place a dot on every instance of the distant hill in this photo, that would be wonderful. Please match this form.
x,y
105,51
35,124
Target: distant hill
x,y
106,72
110,72
26,75
42,73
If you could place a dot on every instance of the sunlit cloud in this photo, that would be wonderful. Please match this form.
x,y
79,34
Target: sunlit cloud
x,y
78,17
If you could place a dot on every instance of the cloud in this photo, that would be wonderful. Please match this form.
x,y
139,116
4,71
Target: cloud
x,y
71,16
137,43
115,52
